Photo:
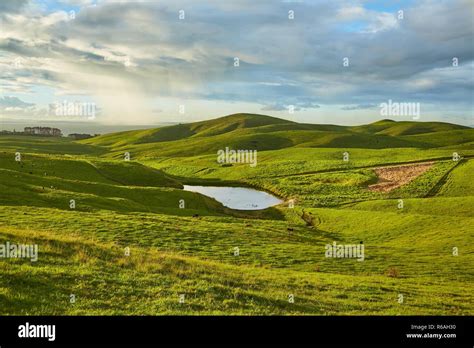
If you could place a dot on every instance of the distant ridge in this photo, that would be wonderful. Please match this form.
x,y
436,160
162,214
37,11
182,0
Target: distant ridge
x,y
396,128
384,121
262,132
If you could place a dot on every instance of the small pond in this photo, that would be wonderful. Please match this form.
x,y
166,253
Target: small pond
x,y
240,198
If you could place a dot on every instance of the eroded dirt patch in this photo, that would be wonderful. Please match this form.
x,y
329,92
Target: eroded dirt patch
x,y
393,177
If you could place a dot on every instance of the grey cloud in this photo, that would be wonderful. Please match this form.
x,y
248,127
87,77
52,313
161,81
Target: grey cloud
x,y
275,107
13,102
194,57
297,106
12,6
13,106
359,107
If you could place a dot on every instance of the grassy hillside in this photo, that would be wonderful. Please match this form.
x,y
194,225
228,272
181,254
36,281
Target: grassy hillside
x,y
52,181
281,250
176,132
394,128
249,131
47,145
459,182
150,281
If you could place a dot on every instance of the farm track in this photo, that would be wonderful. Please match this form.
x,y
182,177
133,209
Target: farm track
x,y
102,174
441,182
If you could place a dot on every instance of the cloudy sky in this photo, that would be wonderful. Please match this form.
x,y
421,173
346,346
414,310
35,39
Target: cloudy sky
x,y
146,62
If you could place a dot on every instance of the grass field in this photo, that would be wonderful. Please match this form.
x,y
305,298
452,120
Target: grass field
x,y
128,246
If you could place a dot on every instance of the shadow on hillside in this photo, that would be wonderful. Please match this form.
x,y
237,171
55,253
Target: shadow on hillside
x,y
208,182
266,214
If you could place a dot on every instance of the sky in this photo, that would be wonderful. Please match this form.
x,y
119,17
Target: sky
x,y
149,62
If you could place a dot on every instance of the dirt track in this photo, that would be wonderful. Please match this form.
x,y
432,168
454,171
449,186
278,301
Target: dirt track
x,y
395,176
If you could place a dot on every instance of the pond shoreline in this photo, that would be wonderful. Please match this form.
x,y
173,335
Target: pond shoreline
x,y
224,183
237,197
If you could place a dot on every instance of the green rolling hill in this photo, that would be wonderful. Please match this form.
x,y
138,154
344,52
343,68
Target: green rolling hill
x,y
249,131
394,128
134,204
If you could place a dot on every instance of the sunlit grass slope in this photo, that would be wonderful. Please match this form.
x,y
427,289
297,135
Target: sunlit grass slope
x,y
250,131
233,262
